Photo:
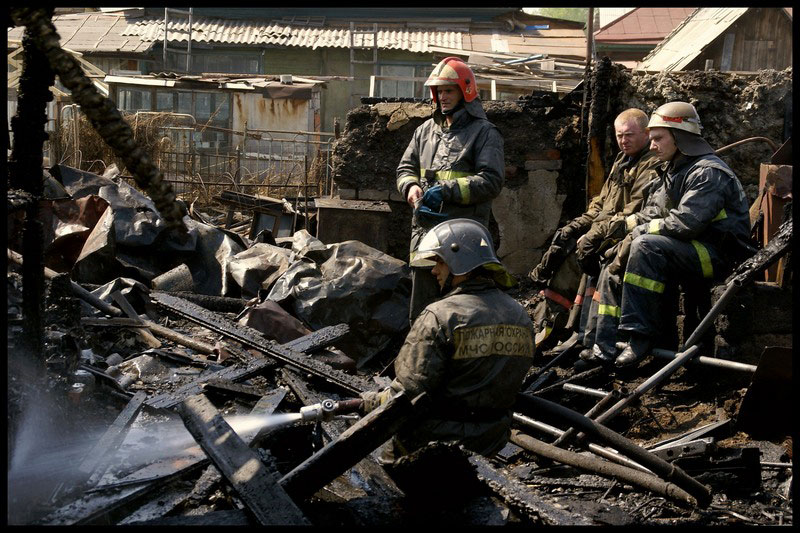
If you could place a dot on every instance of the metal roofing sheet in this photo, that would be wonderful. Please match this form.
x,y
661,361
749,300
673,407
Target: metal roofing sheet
x,y
689,39
644,25
95,32
246,32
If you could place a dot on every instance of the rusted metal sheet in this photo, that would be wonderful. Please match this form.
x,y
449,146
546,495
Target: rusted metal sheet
x,y
257,486
254,339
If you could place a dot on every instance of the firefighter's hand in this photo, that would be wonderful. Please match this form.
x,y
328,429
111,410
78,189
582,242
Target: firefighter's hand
x,y
373,400
414,194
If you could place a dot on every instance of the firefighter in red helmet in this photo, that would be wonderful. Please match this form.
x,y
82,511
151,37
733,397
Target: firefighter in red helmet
x,y
453,166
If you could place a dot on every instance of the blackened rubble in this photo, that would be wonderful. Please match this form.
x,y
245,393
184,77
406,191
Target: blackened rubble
x,y
749,480
126,412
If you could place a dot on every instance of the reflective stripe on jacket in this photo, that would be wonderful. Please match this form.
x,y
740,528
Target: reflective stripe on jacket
x,y
466,159
697,199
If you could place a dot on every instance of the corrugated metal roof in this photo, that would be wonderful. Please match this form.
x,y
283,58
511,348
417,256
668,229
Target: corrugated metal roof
x,y
92,33
245,32
689,39
643,25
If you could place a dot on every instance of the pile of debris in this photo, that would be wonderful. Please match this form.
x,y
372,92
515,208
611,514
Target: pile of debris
x,y
208,378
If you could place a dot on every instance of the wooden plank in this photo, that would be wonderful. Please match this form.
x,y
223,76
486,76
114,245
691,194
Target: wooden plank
x,y
128,309
256,486
111,439
310,342
352,445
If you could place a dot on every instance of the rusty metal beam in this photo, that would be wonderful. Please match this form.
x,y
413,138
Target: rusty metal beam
x,y
257,486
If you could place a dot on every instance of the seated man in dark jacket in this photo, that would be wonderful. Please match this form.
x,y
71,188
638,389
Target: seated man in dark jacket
x,y
469,351
577,247
693,226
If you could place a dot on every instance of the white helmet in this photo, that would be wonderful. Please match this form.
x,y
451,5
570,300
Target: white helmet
x,y
678,116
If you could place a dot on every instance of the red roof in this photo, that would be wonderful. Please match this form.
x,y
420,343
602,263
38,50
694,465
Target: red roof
x,y
643,25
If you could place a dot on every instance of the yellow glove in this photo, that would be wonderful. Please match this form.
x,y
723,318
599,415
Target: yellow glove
x,y
373,400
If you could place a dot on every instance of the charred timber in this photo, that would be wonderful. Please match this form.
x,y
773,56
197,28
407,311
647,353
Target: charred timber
x,y
26,172
354,444
255,484
254,339
518,496
232,374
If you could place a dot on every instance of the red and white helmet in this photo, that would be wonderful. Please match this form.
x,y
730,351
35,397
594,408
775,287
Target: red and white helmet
x,y
453,71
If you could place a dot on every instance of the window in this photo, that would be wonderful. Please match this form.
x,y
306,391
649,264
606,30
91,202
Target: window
x,y
403,88
134,100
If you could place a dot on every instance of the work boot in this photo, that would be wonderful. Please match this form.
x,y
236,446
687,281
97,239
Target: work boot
x,y
586,354
600,355
634,351
571,343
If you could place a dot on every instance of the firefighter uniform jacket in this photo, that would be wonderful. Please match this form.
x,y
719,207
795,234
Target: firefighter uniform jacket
x,y
623,190
466,159
694,226
469,351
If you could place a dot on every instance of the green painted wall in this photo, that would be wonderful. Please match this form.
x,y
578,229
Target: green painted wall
x,y
335,99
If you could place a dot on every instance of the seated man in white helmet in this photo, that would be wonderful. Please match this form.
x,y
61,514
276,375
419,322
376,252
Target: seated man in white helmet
x,y
694,225
469,351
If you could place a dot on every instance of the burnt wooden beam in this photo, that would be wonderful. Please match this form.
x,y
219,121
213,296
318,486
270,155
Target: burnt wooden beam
x,y
257,486
255,339
236,374
111,439
518,496
382,484
97,506
230,388
128,309
354,444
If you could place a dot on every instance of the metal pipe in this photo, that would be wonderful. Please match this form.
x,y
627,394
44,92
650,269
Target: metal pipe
x,y
708,361
655,379
570,387
586,374
602,451
613,395
604,468
767,140
659,466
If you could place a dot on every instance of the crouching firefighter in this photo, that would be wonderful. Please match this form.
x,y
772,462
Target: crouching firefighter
x,y
469,351
452,168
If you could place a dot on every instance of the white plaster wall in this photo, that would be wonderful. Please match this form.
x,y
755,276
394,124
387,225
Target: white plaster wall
x,y
527,217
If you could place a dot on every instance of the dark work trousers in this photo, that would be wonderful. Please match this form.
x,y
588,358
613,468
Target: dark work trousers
x,y
603,319
585,329
654,261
